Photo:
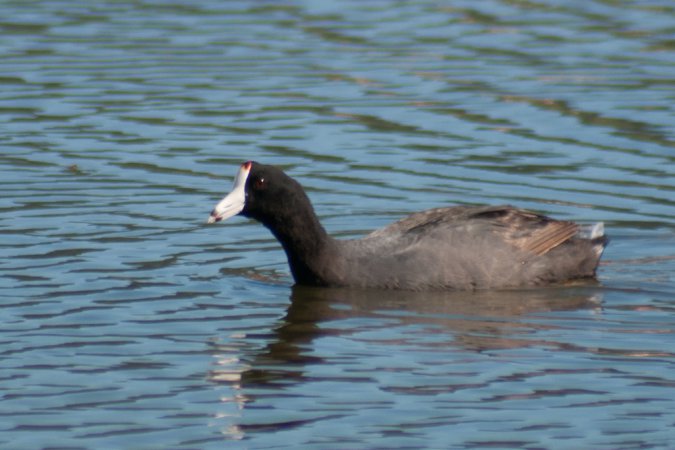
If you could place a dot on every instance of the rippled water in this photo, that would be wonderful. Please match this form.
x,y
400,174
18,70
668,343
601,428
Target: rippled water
x,y
127,323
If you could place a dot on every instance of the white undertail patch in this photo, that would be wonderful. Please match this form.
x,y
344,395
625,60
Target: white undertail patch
x,y
597,230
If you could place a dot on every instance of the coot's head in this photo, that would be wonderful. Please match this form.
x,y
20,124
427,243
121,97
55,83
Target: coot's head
x,y
261,192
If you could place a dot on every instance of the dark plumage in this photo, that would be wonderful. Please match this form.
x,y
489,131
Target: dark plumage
x,y
462,247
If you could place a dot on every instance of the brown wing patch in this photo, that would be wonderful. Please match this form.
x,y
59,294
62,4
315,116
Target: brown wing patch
x,y
547,237
529,231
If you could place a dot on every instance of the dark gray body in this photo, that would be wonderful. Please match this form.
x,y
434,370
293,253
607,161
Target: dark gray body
x,y
457,248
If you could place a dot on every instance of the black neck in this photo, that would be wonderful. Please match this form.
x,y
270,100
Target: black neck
x,y
305,242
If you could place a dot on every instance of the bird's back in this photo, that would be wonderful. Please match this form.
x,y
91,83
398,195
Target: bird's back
x,y
471,248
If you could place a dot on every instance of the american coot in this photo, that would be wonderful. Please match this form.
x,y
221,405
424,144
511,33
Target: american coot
x,y
462,247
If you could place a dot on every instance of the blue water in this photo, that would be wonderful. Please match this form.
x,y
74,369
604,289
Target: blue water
x,y
128,323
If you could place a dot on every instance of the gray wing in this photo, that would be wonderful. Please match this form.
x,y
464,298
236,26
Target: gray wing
x,y
463,247
524,230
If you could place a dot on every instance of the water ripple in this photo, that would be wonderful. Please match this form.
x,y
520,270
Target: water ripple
x,y
126,321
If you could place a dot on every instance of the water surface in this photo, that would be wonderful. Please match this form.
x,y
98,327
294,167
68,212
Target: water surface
x,y
126,322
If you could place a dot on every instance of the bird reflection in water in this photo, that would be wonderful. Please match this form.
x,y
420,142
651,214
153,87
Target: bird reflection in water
x,y
451,322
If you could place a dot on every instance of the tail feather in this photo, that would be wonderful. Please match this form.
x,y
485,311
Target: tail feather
x,y
596,234
592,232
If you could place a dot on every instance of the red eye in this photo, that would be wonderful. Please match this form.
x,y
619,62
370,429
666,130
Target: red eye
x,y
260,183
